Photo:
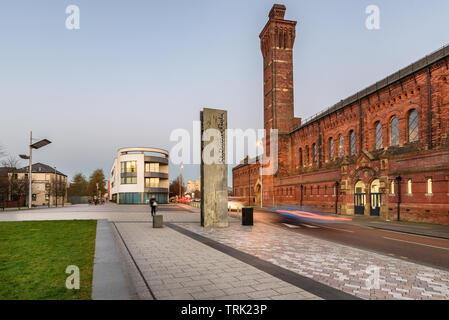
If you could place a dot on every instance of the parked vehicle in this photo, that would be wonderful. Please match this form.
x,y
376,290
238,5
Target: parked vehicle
x,y
235,204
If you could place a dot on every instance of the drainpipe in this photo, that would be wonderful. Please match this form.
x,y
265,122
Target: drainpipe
x,y
336,197
398,180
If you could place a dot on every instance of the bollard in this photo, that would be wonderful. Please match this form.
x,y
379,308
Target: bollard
x,y
157,221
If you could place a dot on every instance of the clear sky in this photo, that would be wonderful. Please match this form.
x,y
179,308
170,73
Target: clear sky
x,y
136,70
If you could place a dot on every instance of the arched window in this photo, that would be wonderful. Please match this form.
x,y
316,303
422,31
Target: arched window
x,y
394,131
307,155
352,142
341,147
378,135
331,149
392,187
429,186
300,157
409,186
315,153
413,126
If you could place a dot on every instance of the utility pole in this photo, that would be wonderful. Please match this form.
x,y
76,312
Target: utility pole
x,y
56,191
30,171
36,145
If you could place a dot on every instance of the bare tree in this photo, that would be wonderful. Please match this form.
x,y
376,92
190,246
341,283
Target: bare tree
x,y
11,162
18,187
58,188
2,152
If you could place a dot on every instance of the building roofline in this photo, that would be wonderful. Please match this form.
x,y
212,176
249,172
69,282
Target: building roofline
x,y
411,69
143,149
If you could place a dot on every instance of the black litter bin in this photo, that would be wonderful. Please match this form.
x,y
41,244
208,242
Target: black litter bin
x,y
247,216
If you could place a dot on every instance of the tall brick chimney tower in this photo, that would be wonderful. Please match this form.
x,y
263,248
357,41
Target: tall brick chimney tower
x,y
276,42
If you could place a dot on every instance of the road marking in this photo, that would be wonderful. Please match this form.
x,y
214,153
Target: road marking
x,y
421,244
309,226
290,225
410,234
336,229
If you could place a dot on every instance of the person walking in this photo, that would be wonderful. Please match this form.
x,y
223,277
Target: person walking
x,y
153,205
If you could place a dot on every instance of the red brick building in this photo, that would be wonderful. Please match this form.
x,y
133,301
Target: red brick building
x,y
384,148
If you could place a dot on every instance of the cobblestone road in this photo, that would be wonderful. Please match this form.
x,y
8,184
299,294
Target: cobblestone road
x,y
345,268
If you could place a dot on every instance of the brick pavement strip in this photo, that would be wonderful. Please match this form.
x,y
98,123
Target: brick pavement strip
x,y
339,266
159,249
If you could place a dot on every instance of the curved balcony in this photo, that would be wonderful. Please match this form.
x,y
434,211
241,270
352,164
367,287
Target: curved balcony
x,y
156,159
156,190
160,175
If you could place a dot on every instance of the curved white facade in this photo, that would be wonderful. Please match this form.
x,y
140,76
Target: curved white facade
x,y
139,173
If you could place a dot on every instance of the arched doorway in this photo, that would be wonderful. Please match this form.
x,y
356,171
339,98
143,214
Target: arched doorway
x,y
359,198
375,198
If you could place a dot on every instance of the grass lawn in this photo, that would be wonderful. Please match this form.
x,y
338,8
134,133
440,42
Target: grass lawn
x,y
35,254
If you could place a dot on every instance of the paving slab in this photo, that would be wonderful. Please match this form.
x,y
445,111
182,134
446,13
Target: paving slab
x,y
352,270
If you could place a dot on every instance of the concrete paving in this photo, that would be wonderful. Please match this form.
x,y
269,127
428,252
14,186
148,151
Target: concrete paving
x,y
110,280
168,264
342,267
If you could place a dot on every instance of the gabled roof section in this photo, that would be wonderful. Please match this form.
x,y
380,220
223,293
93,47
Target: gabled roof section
x,y
40,168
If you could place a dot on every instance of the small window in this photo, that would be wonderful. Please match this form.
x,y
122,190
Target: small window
x,y
315,153
331,149
341,147
307,155
409,186
429,186
392,187
413,126
378,139
394,129
300,157
352,142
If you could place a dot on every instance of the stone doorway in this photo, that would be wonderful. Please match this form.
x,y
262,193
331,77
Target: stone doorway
x,y
359,198
375,198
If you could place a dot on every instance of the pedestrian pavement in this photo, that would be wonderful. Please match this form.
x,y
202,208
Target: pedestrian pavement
x,y
178,267
182,260
362,273
110,280
424,229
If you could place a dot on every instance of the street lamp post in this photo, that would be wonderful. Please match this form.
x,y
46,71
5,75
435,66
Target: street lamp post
x,y
258,143
56,190
36,145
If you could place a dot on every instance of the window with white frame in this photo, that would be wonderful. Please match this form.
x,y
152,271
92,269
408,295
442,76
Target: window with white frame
x,y
409,186
429,186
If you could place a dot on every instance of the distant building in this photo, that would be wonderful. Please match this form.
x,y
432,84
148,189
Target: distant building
x,y
193,186
49,186
139,173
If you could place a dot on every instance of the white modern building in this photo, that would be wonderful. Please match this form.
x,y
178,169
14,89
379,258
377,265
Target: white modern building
x,y
139,173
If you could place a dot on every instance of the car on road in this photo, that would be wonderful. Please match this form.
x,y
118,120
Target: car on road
x,y
235,204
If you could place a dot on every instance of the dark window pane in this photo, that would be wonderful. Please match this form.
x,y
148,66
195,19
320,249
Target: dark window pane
x,y
352,138
395,131
413,126
331,149
378,140
341,147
